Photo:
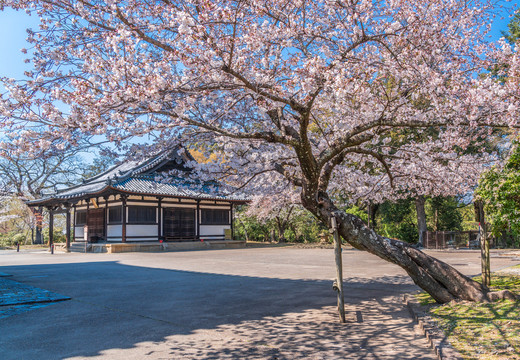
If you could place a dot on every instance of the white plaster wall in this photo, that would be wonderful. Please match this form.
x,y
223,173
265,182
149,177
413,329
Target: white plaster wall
x,y
141,230
213,229
114,230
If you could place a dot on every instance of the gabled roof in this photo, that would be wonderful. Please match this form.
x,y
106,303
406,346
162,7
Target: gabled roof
x,y
136,177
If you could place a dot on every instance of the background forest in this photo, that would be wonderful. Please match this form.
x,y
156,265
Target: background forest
x,y
391,219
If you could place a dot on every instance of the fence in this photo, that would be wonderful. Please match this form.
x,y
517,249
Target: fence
x,y
450,239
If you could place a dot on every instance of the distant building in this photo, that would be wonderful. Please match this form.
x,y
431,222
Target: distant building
x,y
127,204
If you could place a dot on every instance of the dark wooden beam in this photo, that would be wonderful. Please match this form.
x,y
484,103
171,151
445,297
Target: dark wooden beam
x,y
231,218
198,219
67,230
86,222
105,220
159,217
123,218
74,224
51,226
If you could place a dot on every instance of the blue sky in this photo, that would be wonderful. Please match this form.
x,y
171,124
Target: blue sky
x,y
12,40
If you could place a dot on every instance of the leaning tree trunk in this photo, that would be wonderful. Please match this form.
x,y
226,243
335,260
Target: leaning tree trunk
x,y
421,218
443,282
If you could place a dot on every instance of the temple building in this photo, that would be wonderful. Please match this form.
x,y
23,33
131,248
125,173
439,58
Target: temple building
x,y
127,204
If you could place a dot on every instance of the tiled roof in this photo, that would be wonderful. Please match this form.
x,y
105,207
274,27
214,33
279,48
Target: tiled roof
x,y
148,186
134,177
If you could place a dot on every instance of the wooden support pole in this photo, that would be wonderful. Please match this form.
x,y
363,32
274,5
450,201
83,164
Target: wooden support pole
x,y
231,220
105,219
51,227
123,215
198,219
39,226
338,286
159,218
67,230
86,223
74,224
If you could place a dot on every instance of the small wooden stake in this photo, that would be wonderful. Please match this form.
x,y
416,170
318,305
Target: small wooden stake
x,y
339,270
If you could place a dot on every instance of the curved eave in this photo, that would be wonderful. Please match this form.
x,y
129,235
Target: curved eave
x,y
111,190
67,199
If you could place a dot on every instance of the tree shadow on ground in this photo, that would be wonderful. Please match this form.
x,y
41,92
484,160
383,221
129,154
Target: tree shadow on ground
x,y
122,311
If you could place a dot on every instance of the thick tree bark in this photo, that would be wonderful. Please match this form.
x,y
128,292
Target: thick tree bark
x,y
372,215
443,282
281,229
421,218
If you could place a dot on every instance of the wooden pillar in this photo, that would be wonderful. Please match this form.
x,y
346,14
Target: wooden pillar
x,y
51,226
74,224
67,230
198,219
231,220
123,218
86,221
39,225
159,217
105,220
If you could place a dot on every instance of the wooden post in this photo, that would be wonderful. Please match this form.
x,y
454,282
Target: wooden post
x,y
86,219
39,225
484,247
51,227
159,218
339,270
123,216
67,230
74,224
198,219
105,220
231,222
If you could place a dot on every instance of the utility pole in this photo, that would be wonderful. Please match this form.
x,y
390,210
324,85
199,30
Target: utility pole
x,y
338,284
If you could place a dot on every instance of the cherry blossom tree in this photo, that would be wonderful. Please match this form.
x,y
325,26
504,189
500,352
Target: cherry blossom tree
x,y
368,99
279,209
24,178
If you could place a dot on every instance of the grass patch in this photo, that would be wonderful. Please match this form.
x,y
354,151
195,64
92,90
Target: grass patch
x,y
483,331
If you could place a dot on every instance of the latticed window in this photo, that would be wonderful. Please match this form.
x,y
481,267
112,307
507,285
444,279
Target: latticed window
x,y
81,217
142,214
215,217
114,215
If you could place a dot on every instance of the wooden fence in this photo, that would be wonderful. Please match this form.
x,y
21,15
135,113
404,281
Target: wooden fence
x,y
450,239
